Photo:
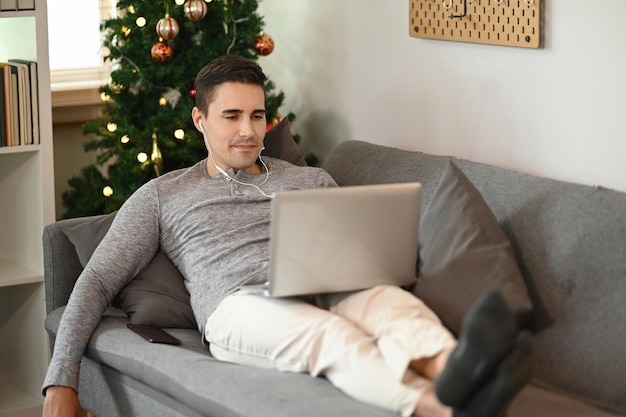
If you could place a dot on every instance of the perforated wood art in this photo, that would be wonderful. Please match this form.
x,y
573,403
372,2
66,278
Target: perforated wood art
x,y
497,22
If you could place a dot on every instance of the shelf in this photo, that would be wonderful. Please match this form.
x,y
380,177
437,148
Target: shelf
x,y
19,149
16,403
13,274
16,13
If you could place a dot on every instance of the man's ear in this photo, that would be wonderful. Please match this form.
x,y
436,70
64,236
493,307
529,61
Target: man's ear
x,y
197,116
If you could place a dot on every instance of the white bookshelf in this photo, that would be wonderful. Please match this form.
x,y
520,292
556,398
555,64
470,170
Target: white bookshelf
x,y
26,205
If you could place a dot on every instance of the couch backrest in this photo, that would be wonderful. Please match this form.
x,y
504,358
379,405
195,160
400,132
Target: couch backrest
x,y
61,264
570,242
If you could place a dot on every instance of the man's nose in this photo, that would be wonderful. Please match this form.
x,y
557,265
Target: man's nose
x,y
245,129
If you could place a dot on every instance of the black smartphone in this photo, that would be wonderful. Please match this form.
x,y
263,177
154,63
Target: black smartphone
x,y
153,334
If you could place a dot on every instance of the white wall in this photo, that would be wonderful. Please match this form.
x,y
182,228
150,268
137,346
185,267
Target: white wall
x,y
350,70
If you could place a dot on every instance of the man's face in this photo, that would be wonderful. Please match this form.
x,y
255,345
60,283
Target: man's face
x,y
234,127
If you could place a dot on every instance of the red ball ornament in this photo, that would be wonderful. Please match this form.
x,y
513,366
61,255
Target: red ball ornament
x,y
264,44
161,52
195,9
272,123
167,28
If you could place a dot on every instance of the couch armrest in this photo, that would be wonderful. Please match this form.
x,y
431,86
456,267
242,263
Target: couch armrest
x,y
61,264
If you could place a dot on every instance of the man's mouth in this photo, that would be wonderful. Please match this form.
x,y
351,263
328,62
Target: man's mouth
x,y
245,147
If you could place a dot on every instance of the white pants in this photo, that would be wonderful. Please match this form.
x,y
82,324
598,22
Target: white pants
x,y
362,342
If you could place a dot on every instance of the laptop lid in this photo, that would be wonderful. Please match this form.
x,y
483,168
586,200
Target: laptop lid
x,y
343,239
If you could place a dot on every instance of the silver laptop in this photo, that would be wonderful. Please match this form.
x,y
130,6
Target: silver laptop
x,y
342,239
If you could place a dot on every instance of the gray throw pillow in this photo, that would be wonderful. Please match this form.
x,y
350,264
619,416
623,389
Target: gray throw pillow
x,y
158,296
464,253
86,236
280,144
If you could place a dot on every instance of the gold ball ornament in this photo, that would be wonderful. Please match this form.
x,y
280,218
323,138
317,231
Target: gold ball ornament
x,y
195,9
264,44
272,123
167,28
161,52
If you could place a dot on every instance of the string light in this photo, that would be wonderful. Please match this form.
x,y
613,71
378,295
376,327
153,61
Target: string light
x,y
104,96
125,139
141,21
142,157
179,134
111,127
107,191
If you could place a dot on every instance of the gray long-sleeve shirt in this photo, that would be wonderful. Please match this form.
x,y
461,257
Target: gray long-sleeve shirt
x,y
214,230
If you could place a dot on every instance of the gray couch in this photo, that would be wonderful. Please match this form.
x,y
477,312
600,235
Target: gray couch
x,y
570,243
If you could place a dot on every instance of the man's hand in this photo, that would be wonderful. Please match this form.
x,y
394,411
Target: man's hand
x,y
62,402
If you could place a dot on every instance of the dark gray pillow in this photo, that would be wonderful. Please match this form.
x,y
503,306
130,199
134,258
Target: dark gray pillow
x,y
464,253
280,144
158,296
86,236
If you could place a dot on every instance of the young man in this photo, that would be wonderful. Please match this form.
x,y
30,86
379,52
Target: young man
x,y
380,345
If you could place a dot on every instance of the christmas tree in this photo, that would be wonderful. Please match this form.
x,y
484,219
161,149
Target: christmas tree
x,y
156,49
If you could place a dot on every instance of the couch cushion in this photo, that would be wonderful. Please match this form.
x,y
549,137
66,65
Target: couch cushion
x,y
535,401
188,373
464,253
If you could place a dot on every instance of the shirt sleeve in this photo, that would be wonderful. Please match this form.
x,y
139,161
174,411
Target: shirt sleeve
x,y
128,247
324,180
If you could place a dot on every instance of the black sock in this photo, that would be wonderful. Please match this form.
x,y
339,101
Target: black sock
x,y
512,374
487,335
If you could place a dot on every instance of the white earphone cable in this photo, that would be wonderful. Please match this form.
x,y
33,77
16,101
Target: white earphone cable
x,y
258,187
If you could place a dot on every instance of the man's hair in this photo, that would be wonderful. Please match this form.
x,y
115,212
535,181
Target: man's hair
x,y
227,68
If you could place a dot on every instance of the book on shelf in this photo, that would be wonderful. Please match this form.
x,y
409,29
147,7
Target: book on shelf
x,y
8,103
30,94
15,106
26,4
32,91
3,122
8,5
13,5
20,96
